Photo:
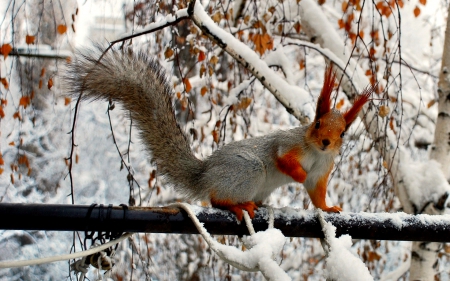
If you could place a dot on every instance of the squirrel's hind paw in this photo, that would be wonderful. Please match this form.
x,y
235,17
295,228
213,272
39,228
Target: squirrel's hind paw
x,y
236,208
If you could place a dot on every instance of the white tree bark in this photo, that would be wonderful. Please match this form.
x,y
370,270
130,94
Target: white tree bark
x,y
424,256
441,148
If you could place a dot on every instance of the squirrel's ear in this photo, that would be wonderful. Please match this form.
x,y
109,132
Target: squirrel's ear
x,y
324,101
358,104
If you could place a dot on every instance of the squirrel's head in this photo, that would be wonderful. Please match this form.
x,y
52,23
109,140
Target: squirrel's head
x,y
329,126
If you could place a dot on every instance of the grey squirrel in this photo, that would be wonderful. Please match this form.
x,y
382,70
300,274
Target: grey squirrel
x,y
238,176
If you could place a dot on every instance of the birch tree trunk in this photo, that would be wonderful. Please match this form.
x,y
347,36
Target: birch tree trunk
x,y
424,256
441,148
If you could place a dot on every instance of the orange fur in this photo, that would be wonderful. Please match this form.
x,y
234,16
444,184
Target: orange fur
x,y
288,164
319,194
236,208
324,101
359,102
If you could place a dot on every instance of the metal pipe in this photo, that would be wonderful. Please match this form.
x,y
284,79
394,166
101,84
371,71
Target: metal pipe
x,y
293,223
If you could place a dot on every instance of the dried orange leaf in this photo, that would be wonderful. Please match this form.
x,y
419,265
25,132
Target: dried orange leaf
x,y
373,256
423,2
67,101
24,101
168,53
216,17
215,135
431,103
350,17
386,11
416,11
380,5
43,71
23,160
50,83
344,6
340,104
302,64
152,177
29,39
1,171
11,143
202,70
2,113
352,37
16,115
262,43
187,84
5,50
61,29
214,60
5,83
201,56
184,103
2,162
383,111
210,70
391,124
297,27
245,102
203,91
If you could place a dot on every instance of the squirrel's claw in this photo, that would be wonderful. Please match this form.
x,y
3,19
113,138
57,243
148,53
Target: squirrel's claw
x,y
334,209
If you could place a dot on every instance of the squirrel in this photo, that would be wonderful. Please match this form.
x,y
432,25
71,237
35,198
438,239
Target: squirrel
x,y
241,174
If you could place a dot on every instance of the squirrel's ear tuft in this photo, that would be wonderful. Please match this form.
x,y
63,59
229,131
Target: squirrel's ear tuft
x,y
358,104
324,101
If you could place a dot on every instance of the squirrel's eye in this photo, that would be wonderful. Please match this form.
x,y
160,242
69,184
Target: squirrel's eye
x,y
343,134
317,125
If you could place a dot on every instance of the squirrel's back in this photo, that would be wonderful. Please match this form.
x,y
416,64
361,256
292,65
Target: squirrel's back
x,y
139,84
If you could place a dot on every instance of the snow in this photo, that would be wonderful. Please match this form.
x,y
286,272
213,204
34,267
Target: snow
x,y
341,264
424,180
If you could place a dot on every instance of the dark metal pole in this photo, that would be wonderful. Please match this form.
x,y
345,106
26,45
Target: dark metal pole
x,y
291,222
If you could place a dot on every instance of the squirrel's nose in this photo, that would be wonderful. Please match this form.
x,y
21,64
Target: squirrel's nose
x,y
326,142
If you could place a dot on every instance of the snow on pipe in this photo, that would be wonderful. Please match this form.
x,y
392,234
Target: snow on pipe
x,y
291,222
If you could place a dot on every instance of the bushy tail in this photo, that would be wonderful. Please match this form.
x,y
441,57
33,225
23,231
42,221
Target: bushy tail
x,y
139,84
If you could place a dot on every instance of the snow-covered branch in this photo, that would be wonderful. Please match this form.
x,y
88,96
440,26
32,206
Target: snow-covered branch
x,y
294,99
154,26
291,222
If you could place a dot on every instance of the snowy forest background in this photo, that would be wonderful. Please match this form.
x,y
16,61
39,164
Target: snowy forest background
x,y
386,163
